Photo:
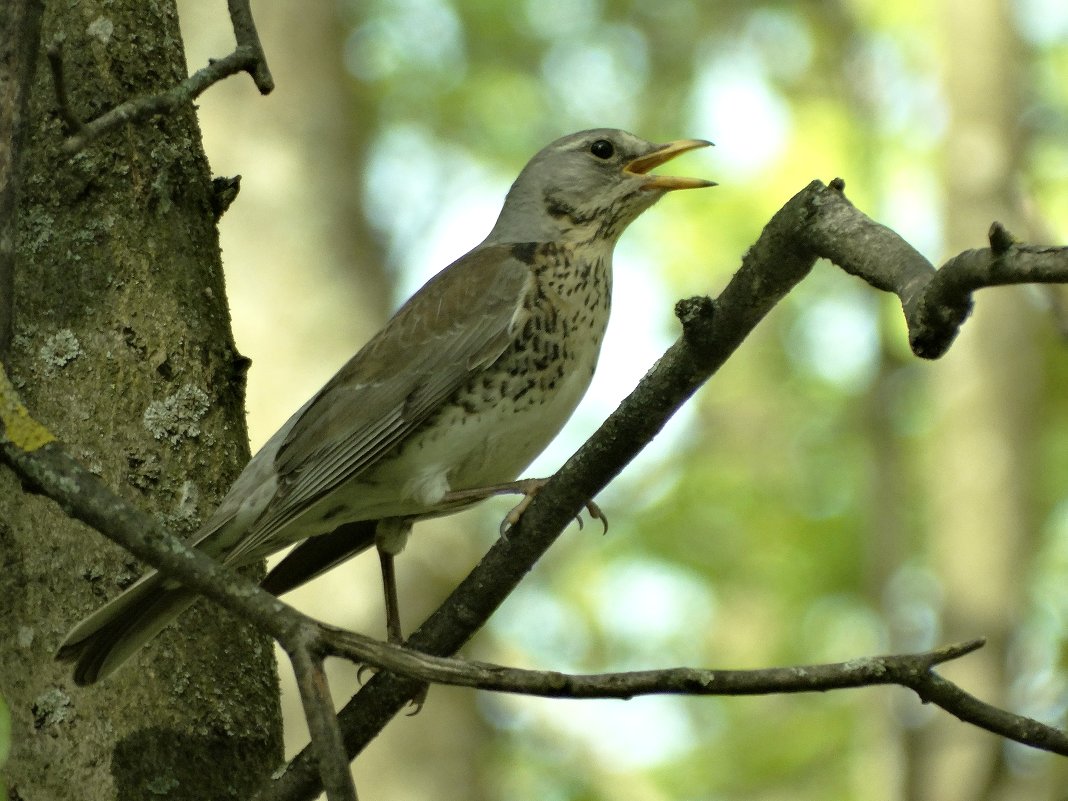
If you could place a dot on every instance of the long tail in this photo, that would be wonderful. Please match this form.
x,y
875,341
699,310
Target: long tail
x,y
318,554
102,642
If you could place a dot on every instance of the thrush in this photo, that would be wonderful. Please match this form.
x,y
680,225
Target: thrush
x,y
456,395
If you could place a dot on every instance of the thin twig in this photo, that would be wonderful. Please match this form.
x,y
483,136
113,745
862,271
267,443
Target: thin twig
x,y
322,722
914,671
248,57
862,672
246,35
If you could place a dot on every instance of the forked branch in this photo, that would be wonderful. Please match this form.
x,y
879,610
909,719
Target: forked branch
x,y
248,56
817,222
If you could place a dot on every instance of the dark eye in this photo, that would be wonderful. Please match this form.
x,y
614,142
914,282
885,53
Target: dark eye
x,y
602,149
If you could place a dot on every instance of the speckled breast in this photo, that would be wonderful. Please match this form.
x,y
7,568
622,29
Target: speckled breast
x,y
506,415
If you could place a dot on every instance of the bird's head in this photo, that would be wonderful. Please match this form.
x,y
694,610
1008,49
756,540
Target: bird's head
x,y
588,185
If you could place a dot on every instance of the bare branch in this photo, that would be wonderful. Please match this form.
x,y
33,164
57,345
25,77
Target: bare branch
x,y
818,221
248,57
247,36
862,672
322,723
914,671
935,302
934,689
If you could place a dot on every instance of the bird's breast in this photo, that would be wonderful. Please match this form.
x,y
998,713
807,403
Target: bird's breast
x,y
509,411
523,400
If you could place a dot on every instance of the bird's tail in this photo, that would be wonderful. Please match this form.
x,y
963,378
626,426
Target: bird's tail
x,y
318,554
102,642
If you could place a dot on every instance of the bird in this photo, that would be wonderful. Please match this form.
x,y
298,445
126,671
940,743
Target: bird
x,y
448,403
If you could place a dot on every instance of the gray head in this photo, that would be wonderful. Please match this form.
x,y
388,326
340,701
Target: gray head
x,y
591,184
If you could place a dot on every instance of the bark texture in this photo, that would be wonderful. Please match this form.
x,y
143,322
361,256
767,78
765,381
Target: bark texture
x,y
122,346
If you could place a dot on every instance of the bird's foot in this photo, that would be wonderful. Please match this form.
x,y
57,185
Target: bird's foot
x,y
530,487
415,702
527,487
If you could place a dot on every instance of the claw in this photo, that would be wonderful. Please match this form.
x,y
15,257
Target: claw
x,y
596,514
417,701
513,516
362,671
528,487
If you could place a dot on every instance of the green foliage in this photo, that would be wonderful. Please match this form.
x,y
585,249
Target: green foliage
x,y
787,518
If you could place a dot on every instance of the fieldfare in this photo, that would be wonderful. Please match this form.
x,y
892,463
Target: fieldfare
x,y
461,389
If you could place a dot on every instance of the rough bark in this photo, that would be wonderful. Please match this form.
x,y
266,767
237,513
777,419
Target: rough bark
x,y
122,346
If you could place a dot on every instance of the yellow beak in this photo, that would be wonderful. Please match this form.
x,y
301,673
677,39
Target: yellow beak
x,y
664,153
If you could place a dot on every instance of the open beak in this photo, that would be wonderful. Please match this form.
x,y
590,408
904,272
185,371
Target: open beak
x,y
664,153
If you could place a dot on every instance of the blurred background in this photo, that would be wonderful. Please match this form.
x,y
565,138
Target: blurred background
x,y
825,496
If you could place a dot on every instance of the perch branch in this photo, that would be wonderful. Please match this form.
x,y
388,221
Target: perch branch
x,y
248,56
817,222
782,256
914,671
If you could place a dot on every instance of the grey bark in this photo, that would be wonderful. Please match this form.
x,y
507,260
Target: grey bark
x,y
122,346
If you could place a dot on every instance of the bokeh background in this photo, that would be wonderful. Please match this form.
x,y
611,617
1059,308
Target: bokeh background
x,y
825,496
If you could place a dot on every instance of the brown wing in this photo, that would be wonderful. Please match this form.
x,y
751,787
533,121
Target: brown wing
x,y
460,321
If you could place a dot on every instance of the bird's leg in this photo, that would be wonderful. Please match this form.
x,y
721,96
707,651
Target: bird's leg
x,y
389,589
528,488
391,535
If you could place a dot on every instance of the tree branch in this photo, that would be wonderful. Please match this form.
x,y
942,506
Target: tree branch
x,y
862,672
248,56
935,302
319,712
914,671
818,221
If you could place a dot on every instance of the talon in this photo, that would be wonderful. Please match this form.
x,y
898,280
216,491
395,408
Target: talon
x,y
417,701
597,514
362,671
513,516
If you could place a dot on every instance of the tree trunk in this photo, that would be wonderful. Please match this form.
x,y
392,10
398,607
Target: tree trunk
x,y
987,394
122,347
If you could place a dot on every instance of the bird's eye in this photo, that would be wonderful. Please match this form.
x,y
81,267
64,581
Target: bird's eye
x,y
602,149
